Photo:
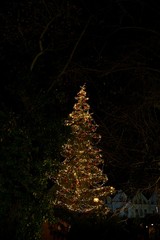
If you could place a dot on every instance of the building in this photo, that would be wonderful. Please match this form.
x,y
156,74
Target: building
x,y
136,207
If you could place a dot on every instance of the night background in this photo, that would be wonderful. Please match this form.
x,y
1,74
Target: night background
x,y
48,50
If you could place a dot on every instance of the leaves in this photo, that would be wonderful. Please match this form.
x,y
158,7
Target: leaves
x,y
25,172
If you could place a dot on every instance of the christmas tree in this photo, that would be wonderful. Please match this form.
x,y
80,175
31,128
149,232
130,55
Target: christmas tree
x,y
81,182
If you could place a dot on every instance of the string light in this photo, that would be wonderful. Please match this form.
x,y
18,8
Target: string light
x,y
81,184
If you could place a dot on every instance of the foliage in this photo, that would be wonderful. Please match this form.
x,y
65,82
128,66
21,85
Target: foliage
x,y
25,169
81,183
48,48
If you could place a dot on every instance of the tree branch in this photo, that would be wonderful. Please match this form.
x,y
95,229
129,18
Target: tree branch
x,y
72,53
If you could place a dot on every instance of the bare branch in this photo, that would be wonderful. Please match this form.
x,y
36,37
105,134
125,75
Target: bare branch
x,y
42,50
72,53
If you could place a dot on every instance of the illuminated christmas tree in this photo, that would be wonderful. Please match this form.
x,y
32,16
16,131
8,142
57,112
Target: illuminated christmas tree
x,y
81,181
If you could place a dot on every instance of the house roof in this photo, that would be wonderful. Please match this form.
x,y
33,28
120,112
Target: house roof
x,y
139,198
120,196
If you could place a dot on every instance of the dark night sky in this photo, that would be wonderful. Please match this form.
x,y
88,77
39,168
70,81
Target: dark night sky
x,y
50,48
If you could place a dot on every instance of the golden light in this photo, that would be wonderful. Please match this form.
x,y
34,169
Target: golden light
x,y
96,199
80,182
112,189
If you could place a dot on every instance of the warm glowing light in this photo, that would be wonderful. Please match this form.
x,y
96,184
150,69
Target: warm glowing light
x,y
81,178
112,189
96,199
